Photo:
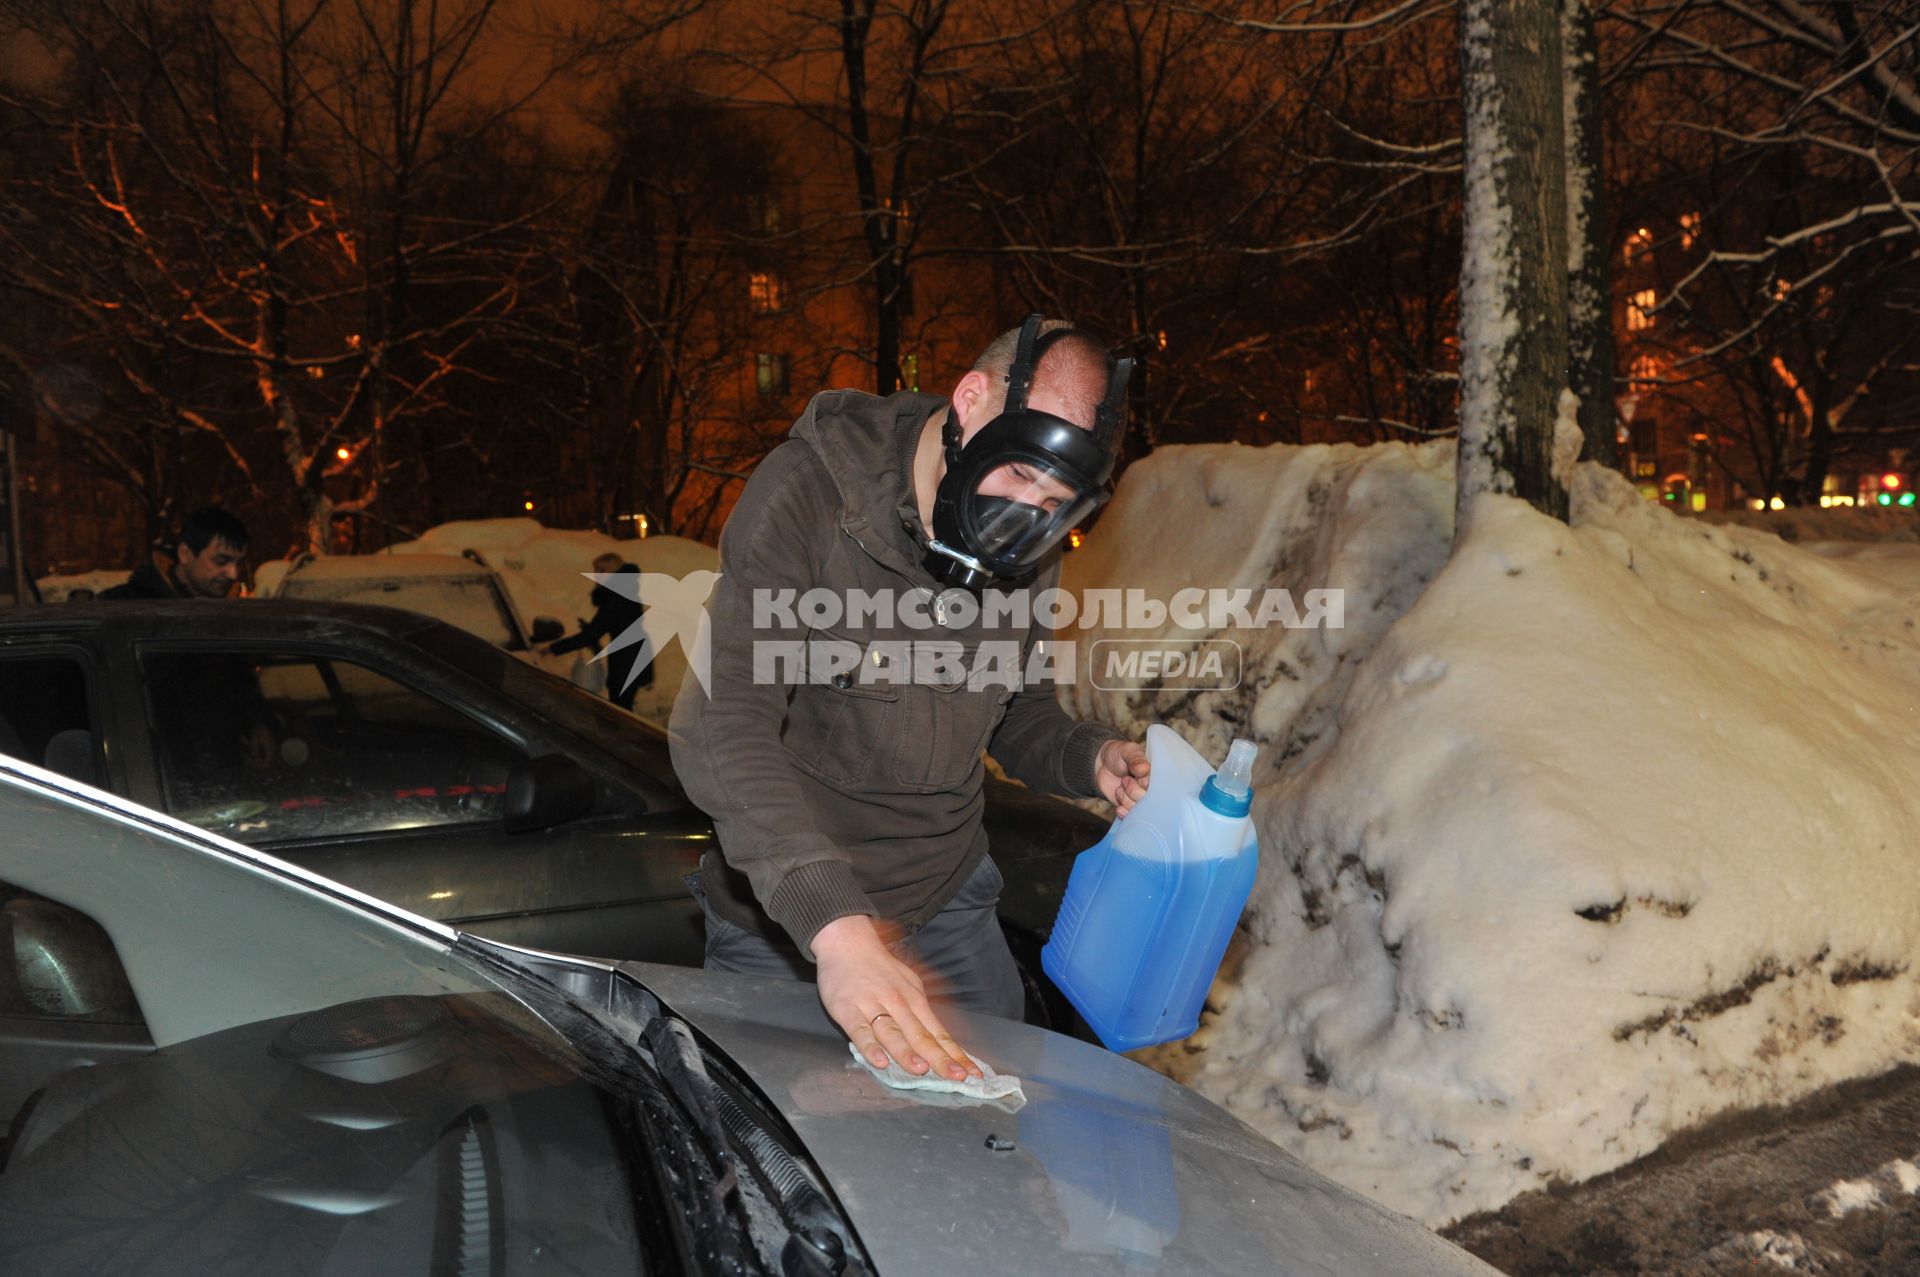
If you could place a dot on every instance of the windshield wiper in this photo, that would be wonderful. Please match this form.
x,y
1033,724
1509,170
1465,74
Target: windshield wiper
x,y
816,1238
796,1230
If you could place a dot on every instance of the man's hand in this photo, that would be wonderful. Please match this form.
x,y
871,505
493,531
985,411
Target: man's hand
x,y
1121,773
880,1003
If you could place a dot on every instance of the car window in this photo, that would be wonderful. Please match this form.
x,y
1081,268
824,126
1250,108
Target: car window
x,y
44,713
637,744
270,746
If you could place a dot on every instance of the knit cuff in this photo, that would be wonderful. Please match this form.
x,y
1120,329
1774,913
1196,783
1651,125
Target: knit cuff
x,y
812,896
1080,755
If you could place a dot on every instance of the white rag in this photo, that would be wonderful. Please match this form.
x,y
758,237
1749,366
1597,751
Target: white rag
x,y
988,1086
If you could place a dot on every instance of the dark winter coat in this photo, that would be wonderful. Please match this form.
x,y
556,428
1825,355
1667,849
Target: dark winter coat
x,y
151,580
838,797
614,614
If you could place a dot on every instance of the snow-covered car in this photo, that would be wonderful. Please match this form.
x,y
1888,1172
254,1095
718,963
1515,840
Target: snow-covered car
x,y
420,764
463,591
213,1062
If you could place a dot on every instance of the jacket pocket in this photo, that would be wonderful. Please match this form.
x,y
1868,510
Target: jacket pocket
x,y
833,731
944,730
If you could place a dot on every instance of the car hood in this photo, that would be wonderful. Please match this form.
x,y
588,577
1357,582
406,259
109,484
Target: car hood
x,y
1109,1164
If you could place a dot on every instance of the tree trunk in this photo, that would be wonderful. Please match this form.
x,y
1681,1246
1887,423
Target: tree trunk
x,y
856,25
1589,303
1813,480
1513,278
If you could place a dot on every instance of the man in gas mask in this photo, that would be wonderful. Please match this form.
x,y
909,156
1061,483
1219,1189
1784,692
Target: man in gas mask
x,y
848,806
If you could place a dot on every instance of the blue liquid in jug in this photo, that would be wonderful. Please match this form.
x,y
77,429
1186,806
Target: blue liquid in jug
x,y
1149,909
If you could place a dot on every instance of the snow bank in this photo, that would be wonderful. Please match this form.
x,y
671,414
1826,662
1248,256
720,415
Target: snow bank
x,y
1568,840
1829,523
541,567
1895,564
58,589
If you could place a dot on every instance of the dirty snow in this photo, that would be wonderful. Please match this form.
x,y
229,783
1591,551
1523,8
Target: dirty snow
x,y
1782,1250
1568,841
1843,1197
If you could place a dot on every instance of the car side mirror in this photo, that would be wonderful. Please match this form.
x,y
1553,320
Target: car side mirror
x,y
545,630
59,963
547,791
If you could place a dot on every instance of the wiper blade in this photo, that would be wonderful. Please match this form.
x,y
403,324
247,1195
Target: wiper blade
x,y
629,1044
816,1238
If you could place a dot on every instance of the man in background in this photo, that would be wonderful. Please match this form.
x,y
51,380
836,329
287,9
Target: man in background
x,y
614,613
213,699
205,563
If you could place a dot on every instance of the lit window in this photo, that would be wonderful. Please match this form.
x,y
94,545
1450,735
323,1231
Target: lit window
x,y
1689,229
767,292
772,374
1640,310
1646,370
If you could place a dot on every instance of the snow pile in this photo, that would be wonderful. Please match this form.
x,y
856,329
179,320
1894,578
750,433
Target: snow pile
x,y
1895,564
58,589
1829,523
1229,517
541,567
1568,841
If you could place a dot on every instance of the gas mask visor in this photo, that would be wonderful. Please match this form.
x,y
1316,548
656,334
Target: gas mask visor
x,y
1016,489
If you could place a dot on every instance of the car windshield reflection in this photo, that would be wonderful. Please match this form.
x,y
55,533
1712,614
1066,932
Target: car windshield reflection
x,y
207,1066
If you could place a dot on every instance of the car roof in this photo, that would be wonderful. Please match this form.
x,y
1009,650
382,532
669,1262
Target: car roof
x,y
196,618
386,567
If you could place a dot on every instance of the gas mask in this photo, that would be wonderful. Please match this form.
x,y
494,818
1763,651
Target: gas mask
x,y
1025,480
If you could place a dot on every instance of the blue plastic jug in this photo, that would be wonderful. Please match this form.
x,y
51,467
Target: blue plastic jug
x,y
1150,907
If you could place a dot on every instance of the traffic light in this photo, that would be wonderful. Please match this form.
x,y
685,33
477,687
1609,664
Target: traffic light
x,y
1894,490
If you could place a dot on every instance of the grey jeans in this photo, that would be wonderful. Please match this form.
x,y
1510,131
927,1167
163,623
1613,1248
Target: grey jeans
x,y
961,950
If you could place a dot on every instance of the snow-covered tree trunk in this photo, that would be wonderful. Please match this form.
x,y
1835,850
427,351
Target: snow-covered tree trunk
x,y
1513,277
1589,305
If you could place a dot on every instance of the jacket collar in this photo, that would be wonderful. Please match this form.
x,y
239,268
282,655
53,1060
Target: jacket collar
x,y
867,444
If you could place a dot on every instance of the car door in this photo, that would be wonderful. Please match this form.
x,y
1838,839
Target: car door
x,y
357,769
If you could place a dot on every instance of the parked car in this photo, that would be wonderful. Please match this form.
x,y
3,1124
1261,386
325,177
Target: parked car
x,y
213,1062
465,592
420,764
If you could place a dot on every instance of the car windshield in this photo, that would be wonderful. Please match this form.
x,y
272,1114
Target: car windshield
x,y
630,739
189,1032
473,602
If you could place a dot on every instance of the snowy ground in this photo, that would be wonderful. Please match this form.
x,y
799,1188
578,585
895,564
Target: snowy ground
x,y
1569,841
1829,1186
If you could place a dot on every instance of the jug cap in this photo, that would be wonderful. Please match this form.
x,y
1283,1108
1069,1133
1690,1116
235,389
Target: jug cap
x,y
1230,792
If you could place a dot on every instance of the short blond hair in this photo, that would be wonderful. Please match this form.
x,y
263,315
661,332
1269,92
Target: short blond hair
x,y
608,562
1075,367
